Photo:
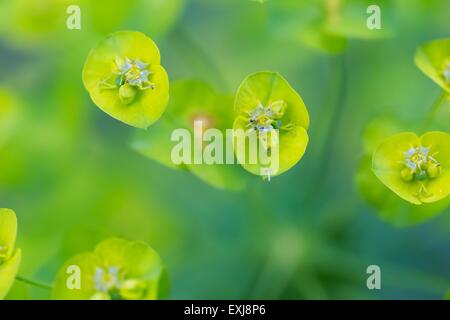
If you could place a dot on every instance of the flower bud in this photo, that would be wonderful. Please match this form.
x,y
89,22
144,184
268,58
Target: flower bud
x,y
433,170
407,174
127,93
133,289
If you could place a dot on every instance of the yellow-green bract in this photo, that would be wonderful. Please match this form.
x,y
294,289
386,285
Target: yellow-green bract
x,y
116,269
265,101
125,79
9,256
388,206
433,58
415,168
192,101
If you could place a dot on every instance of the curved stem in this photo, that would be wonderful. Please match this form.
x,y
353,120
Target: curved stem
x,y
33,282
434,110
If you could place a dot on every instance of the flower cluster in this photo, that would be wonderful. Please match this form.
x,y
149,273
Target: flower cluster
x,y
417,169
433,58
124,78
265,102
117,269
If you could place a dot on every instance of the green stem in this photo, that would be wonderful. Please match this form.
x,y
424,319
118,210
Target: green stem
x,y
434,110
339,73
33,282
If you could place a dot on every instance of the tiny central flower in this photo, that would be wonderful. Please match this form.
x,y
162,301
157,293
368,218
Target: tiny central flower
x,y
106,280
265,119
135,73
419,164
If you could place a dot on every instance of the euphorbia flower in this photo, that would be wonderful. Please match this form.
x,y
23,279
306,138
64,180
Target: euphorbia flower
x,y
116,269
388,206
324,25
415,168
433,58
9,256
266,103
192,101
124,78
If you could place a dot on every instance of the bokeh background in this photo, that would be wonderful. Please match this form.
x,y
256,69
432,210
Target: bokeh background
x,y
68,171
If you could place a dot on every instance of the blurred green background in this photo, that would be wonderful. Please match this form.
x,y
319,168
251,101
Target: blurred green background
x,y
68,171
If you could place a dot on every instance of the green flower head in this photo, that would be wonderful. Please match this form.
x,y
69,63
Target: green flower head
x,y
388,206
124,78
415,168
118,269
9,256
267,105
433,58
192,101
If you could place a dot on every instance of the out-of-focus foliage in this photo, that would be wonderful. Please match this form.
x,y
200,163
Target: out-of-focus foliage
x,y
433,58
192,101
9,114
118,269
325,25
68,170
43,21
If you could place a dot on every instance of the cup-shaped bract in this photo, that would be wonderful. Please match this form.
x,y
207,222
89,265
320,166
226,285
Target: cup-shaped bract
x,y
388,206
117,269
9,256
194,102
125,79
266,106
416,168
433,58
